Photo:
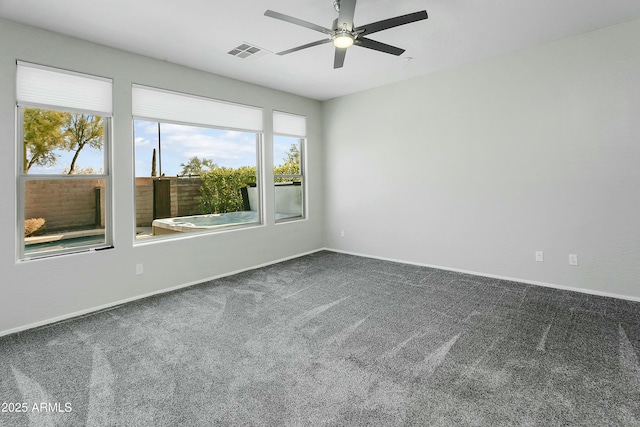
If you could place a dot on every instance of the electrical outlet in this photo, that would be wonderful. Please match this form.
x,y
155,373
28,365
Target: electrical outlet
x,y
139,269
573,259
341,233
539,256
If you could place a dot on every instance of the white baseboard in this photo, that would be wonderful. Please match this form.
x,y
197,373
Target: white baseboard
x,y
115,304
494,276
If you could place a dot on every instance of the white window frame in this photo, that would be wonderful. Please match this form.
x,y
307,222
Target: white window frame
x,y
171,107
293,126
60,96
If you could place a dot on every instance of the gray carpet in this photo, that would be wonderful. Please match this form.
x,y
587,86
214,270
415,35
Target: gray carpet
x,y
333,339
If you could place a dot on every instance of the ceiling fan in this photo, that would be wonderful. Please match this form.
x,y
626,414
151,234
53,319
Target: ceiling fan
x,y
344,33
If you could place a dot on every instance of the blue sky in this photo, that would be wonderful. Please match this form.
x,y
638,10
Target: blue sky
x,y
281,147
179,143
88,157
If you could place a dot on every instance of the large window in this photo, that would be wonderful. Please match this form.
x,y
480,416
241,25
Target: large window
x,y
288,172
196,164
63,161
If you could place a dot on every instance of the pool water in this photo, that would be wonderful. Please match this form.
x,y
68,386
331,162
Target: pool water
x,y
64,244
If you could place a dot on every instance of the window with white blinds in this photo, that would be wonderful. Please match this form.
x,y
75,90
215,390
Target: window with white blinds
x,y
289,124
205,154
289,137
38,85
168,106
64,183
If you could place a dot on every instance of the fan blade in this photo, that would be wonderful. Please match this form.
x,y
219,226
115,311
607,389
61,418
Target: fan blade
x,y
345,18
304,46
338,61
381,47
374,27
296,21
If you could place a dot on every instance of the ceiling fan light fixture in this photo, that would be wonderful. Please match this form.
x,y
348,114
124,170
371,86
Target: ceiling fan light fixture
x,y
344,34
343,40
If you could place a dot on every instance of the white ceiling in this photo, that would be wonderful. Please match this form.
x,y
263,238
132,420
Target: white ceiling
x,y
199,33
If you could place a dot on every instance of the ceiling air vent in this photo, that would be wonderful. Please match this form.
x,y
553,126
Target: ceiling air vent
x,y
247,50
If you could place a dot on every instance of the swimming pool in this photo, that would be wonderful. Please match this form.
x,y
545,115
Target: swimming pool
x,y
67,240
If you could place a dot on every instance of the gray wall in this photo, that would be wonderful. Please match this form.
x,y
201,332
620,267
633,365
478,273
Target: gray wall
x,y
475,168
38,291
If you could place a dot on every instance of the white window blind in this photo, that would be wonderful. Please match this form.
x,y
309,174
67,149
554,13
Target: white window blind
x,y
43,86
289,124
151,103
